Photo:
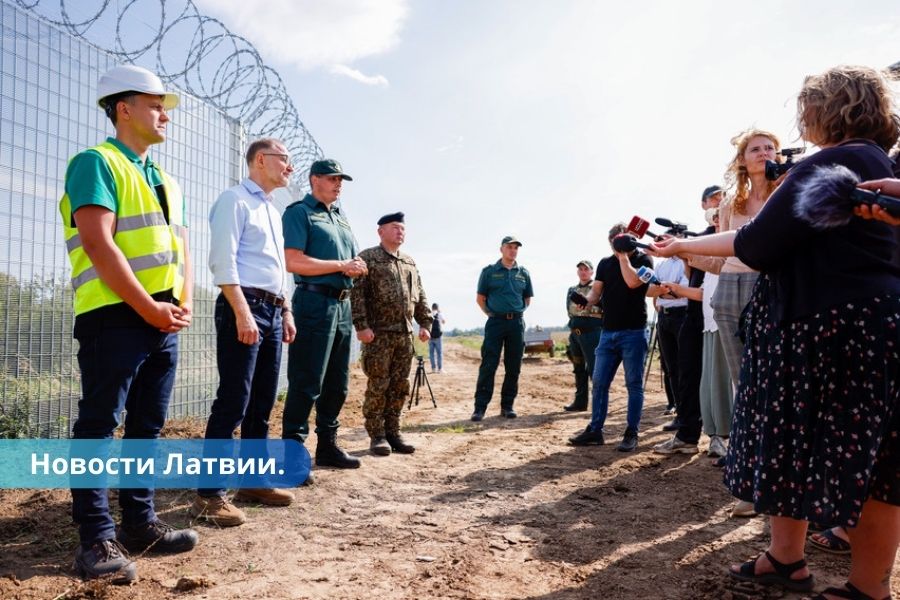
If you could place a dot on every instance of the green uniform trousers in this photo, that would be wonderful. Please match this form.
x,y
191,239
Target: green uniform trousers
x,y
318,363
507,335
386,361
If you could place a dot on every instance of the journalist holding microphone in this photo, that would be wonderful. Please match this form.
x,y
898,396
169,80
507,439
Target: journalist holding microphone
x,y
816,432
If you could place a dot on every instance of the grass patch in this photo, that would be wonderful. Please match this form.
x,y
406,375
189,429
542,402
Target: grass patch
x,y
452,429
468,341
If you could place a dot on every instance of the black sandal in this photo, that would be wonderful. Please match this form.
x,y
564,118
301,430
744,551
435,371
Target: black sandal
x,y
781,576
849,591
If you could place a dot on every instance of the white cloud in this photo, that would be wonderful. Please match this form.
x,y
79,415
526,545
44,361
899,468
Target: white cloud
x,y
359,76
312,33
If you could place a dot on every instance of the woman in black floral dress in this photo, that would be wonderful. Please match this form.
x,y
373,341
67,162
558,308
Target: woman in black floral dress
x,y
816,430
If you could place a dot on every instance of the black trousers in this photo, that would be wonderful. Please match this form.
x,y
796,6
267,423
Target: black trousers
x,y
668,327
690,370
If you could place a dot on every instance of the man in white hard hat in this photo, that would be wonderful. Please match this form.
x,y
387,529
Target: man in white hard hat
x,y
124,224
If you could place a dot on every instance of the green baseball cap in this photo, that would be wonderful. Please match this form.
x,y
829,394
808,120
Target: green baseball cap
x,y
510,239
586,263
328,166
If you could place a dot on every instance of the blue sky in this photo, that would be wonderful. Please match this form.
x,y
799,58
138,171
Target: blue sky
x,y
547,120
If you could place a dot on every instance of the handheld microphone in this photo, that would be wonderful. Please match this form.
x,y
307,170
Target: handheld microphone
x,y
647,275
827,198
640,227
674,227
626,243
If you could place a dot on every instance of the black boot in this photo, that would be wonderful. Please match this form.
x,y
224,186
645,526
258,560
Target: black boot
x,y
399,445
328,454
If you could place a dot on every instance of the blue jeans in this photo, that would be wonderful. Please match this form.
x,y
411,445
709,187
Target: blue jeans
x,y
436,353
121,367
248,375
615,348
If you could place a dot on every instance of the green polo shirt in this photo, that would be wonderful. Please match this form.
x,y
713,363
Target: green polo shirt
x,y
89,180
319,233
506,289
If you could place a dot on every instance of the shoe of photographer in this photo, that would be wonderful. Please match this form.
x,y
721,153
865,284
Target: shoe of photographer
x,y
743,510
717,447
675,446
588,437
629,441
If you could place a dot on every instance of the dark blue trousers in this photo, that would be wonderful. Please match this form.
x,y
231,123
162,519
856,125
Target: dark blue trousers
x,y
131,367
248,375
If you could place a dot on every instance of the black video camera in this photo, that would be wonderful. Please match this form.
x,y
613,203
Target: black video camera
x,y
775,170
674,227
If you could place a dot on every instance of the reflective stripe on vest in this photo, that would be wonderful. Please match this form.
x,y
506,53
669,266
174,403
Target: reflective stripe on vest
x,y
153,248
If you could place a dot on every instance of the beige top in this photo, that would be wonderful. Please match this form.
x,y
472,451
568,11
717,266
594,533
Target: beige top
x,y
728,220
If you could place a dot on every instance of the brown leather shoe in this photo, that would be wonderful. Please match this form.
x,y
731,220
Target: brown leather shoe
x,y
267,496
218,511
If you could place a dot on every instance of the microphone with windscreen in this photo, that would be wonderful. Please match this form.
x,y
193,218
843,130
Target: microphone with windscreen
x,y
626,243
826,199
640,227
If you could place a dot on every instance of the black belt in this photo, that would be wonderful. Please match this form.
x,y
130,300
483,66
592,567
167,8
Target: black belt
x,y
671,310
263,295
507,316
325,290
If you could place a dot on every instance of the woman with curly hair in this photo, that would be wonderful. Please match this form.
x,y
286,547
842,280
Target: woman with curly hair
x,y
816,429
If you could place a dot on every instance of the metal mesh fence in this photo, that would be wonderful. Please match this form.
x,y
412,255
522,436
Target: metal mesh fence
x,y
47,114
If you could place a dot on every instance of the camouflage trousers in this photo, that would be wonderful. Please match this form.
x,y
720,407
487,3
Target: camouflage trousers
x,y
386,361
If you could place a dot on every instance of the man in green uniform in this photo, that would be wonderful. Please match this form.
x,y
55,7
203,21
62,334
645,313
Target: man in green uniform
x,y
504,292
584,335
385,302
320,251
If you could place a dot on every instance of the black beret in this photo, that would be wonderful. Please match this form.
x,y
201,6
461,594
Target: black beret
x,y
396,217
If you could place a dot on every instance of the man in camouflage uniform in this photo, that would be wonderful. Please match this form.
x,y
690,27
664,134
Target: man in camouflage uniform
x,y
584,335
384,303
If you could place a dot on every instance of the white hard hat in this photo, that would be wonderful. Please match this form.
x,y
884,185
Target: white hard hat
x,y
131,78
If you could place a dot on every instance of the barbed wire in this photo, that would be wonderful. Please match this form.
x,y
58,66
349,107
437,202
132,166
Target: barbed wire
x,y
197,53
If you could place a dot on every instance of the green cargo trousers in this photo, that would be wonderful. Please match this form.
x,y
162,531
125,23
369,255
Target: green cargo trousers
x,y
318,363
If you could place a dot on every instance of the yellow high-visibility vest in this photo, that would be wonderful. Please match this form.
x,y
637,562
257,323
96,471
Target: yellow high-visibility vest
x,y
154,248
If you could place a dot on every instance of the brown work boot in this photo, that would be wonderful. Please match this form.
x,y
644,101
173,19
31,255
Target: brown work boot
x,y
217,510
379,447
399,445
267,496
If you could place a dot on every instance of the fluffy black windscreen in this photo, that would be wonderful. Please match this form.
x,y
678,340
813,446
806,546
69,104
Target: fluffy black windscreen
x,y
825,199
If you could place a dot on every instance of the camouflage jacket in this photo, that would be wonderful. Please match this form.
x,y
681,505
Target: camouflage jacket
x,y
576,313
391,295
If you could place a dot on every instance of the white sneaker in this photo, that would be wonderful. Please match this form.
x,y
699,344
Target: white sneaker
x,y
675,446
717,447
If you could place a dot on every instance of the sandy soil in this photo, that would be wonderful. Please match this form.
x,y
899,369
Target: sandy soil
x,y
498,509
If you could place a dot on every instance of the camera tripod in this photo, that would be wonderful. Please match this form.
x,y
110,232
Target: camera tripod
x,y
418,379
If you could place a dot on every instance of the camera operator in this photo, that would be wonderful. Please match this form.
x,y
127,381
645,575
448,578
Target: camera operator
x,y
384,303
623,339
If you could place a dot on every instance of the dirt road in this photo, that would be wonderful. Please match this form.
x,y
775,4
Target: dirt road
x,y
497,509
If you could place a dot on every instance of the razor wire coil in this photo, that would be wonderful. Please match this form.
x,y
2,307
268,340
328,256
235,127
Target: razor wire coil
x,y
215,65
